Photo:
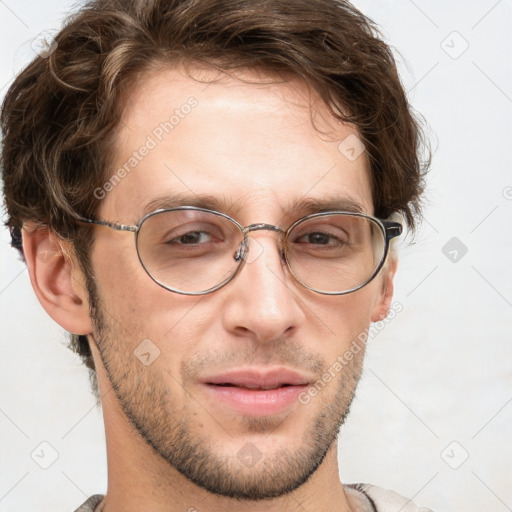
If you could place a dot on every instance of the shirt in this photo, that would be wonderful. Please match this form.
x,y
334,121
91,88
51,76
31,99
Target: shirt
x,y
361,498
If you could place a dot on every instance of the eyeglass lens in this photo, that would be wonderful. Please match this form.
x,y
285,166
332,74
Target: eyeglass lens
x,y
193,251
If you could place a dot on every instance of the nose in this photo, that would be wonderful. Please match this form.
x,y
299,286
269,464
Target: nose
x,y
262,302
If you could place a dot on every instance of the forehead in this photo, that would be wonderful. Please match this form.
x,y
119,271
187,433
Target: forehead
x,y
248,143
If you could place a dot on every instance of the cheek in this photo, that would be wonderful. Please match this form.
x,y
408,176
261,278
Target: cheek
x,y
348,316
128,295
356,307
121,280
138,309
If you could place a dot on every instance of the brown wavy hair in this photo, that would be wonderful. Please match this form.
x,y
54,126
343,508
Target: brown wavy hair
x,y
59,117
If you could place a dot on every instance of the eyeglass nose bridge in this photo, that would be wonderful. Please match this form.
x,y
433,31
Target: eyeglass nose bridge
x,y
260,227
243,248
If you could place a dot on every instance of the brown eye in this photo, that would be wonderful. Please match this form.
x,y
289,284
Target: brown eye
x,y
192,237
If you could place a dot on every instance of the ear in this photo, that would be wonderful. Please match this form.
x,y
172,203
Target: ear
x,y
57,281
383,302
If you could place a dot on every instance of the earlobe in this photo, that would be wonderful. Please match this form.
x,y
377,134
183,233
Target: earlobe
x,y
56,279
383,303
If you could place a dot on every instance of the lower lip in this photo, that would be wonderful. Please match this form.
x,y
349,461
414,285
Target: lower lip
x,y
256,402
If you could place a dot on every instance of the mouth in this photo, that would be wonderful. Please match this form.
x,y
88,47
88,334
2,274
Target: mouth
x,y
247,386
256,392
258,378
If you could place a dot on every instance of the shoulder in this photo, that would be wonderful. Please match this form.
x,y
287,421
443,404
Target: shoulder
x,y
370,498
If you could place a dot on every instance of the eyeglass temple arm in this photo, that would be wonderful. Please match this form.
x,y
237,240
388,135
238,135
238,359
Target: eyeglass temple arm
x,y
112,225
393,229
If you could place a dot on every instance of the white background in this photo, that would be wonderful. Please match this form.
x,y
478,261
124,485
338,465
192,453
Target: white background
x,y
437,387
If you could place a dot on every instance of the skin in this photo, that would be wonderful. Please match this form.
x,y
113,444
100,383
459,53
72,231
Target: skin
x,y
254,148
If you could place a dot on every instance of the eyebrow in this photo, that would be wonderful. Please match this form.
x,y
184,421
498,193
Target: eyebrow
x,y
176,200
303,207
307,206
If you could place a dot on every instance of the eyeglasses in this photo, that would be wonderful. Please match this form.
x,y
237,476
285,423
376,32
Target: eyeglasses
x,y
195,251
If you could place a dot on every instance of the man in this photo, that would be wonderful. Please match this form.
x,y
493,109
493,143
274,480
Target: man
x,y
205,193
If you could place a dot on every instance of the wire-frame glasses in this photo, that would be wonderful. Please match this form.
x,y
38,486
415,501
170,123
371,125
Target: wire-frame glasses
x,y
195,251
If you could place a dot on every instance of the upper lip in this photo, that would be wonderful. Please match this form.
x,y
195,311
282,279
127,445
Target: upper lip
x,y
259,378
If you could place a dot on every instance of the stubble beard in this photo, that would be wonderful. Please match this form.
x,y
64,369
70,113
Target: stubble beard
x,y
171,430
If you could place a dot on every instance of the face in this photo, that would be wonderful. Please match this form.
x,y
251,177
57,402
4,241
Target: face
x,y
252,152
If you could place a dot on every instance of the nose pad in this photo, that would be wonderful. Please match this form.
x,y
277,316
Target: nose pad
x,y
240,251
251,250
254,250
